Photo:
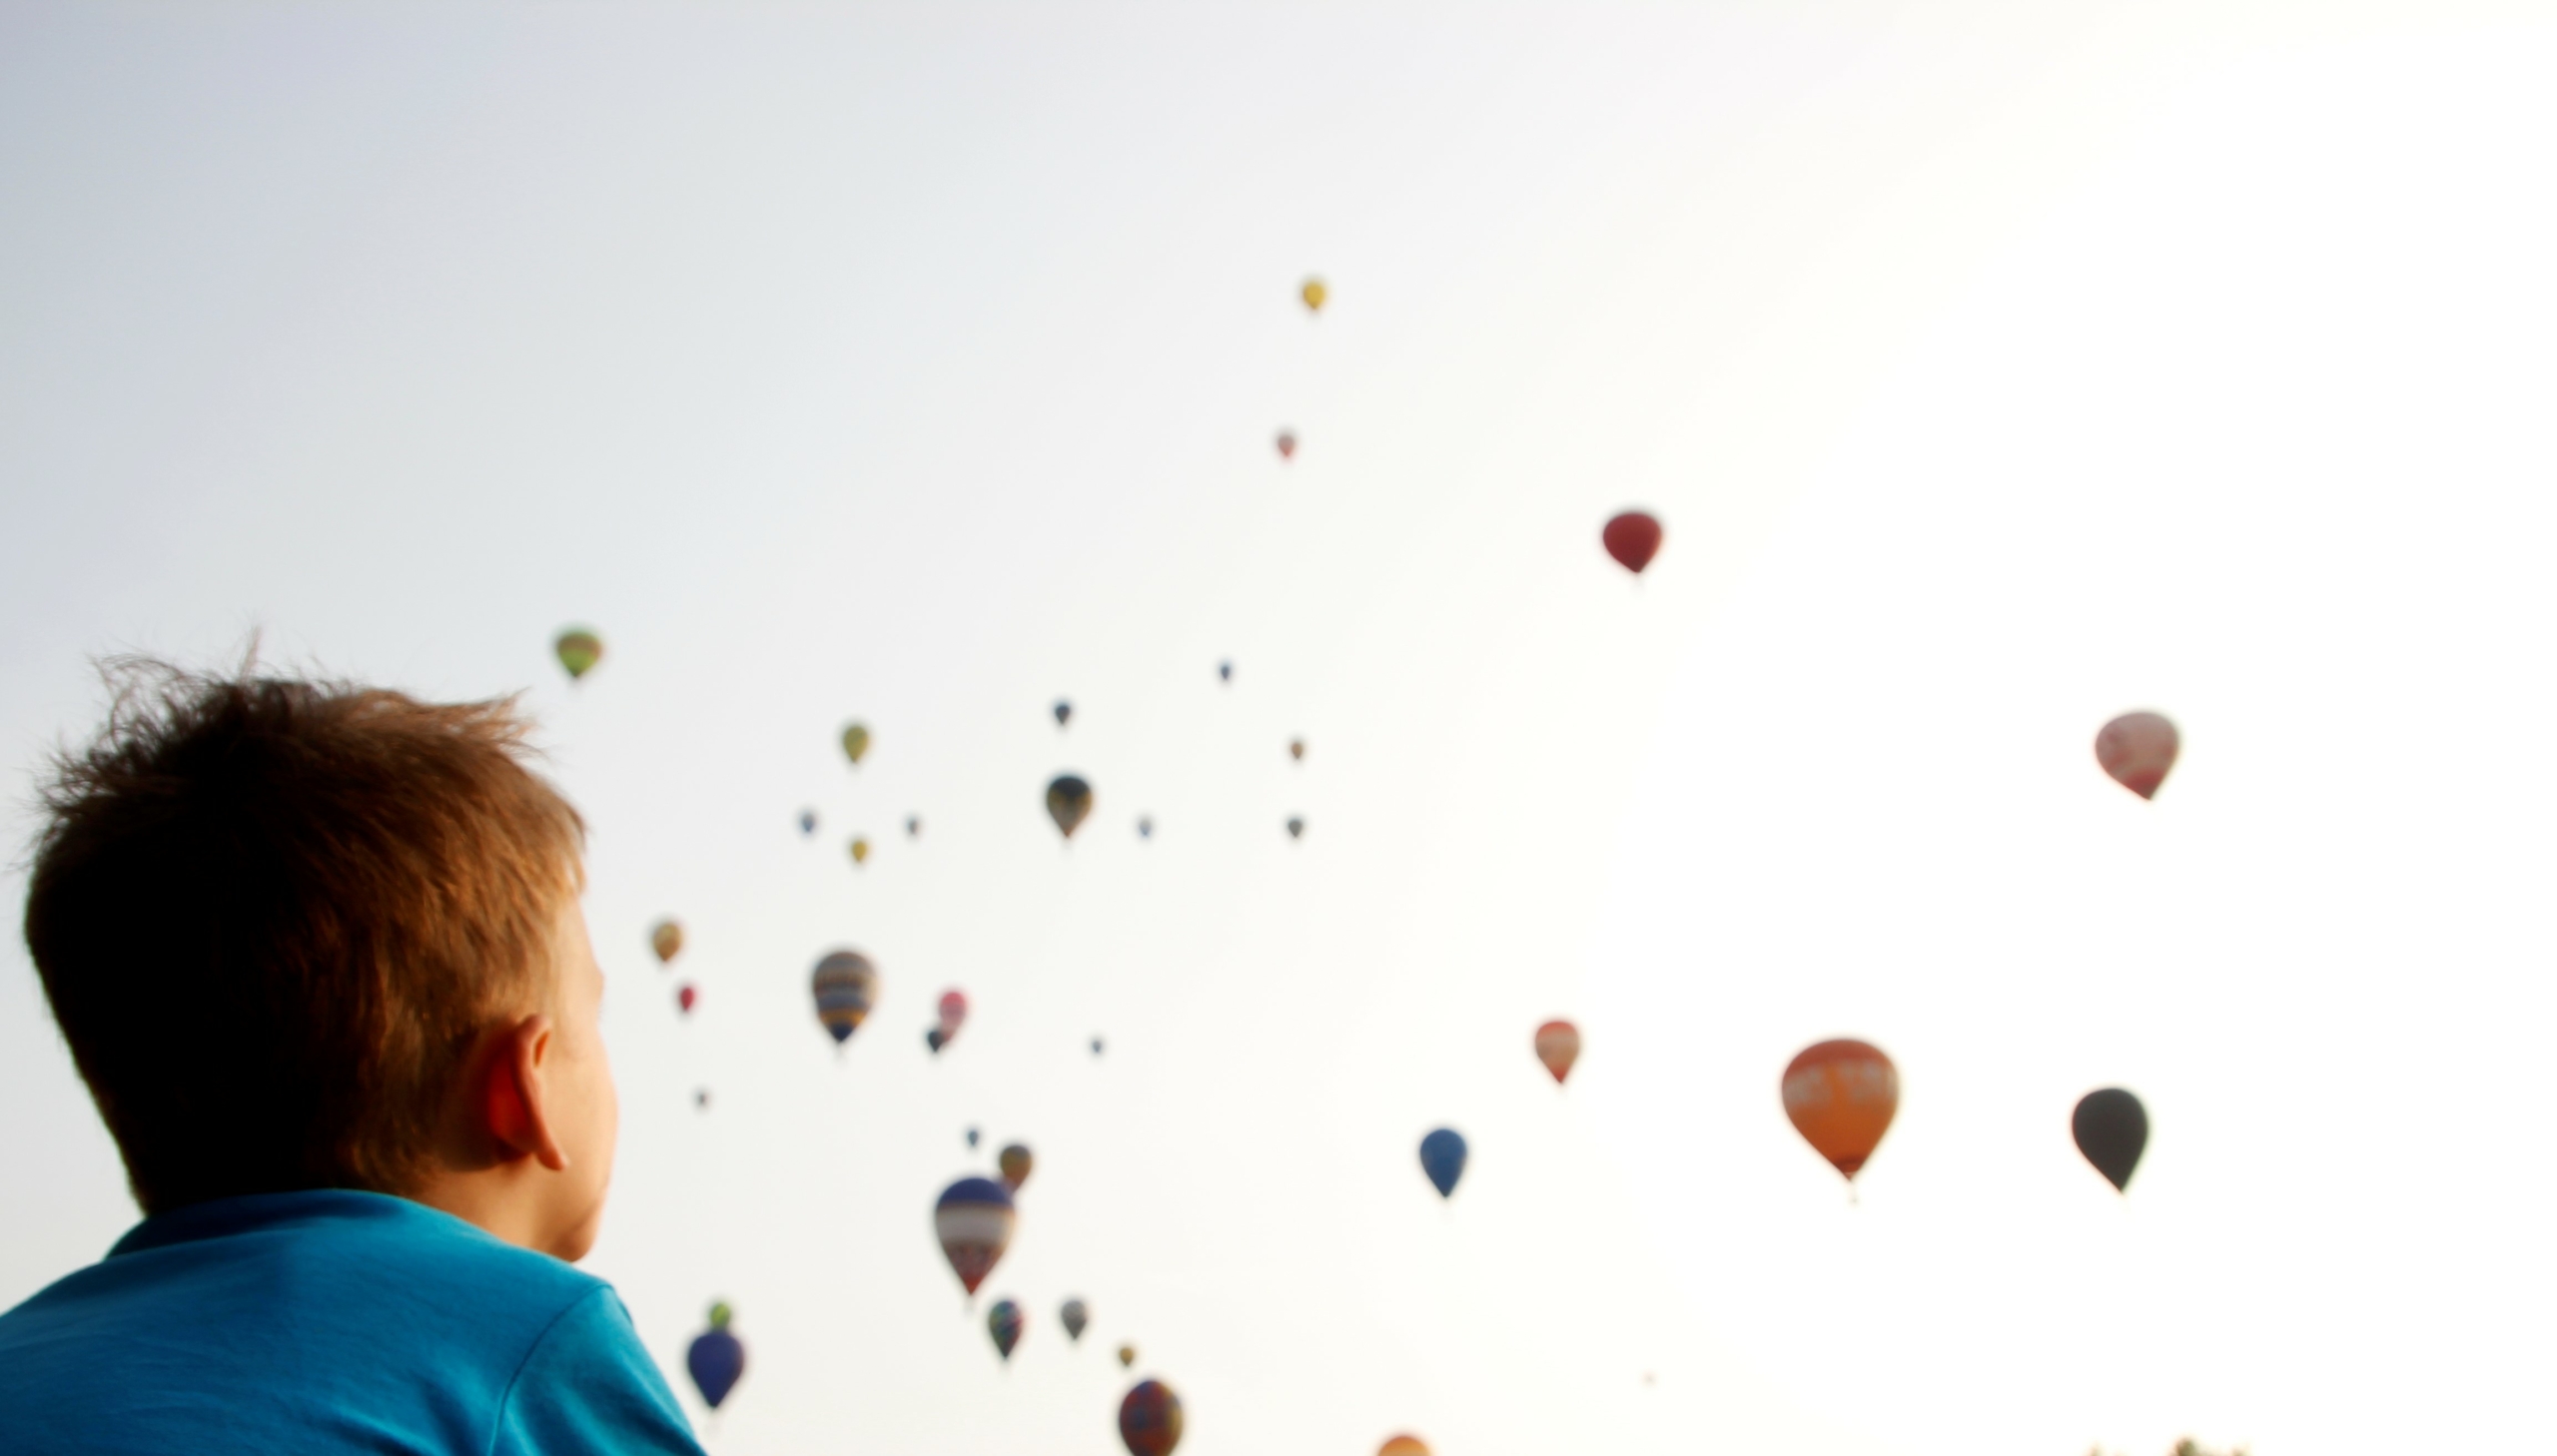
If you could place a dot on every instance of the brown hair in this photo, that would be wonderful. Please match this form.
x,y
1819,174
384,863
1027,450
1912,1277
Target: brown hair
x,y
273,916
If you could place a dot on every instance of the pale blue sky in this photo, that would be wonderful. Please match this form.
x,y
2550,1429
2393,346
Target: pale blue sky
x,y
1994,373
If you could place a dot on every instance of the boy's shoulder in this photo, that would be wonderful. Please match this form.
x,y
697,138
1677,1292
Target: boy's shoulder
x,y
314,1320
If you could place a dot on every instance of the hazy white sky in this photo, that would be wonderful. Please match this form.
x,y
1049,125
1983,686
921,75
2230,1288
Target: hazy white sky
x,y
1994,372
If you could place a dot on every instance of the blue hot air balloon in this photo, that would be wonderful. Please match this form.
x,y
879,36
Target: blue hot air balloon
x,y
1442,1156
716,1358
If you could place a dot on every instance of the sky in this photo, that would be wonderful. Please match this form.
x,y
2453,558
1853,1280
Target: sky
x,y
1994,367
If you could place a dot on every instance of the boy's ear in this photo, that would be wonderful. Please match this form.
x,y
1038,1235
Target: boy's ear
x,y
516,1109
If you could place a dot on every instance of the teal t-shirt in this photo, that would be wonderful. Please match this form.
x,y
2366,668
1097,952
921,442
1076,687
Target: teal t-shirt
x,y
330,1321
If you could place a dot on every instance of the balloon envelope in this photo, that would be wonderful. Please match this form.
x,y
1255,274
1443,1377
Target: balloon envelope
x,y
579,650
1313,293
1062,710
2111,1129
1149,1419
856,741
807,821
1145,827
1297,749
934,1041
716,1359
1404,1446
1004,1322
861,851
914,826
1127,1357
685,996
1069,800
845,986
974,1221
666,939
1286,445
1633,538
1074,1315
1224,672
1296,827
2137,749
953,1011
1841,1096
1015,1161
1558,1047
1443,1157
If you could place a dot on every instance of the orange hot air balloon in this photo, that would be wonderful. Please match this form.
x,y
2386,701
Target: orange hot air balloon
x,y
1841,1096
1633,538
1404,1446
2137,749
1558,1046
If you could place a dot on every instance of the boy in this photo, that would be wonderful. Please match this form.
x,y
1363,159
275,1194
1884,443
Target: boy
x,y
318,954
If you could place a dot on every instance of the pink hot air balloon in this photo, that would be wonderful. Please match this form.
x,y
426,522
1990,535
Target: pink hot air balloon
x,y
2137,749
954,1012
1633,538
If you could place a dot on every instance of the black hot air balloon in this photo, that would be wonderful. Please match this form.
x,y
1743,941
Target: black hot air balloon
x,y
2111,1129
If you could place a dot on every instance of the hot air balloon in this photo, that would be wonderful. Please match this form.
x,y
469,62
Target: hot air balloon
x,y
1558,1046
1149,1419
1074,1316
1443,1157
1096,1045
954,1012
1015,1161
914,826
685,996
1297,749
808,821
1062,710
1841,1096
2111,1129
1313,293
971,1137
1145,826
933,1040
974,1222
856,741
1004,1323
1224,672
1404,1446
1286,445
717,1358
579,650
2137,749
1296,827
846,985
702,1099
860,851
1069,800
1127,1357
1633,538
666,939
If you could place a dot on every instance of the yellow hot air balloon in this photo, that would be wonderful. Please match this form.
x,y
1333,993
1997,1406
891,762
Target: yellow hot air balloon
x,y
666,939
856,741
1404,1446
1126,1355
861,851
579,650
1313,293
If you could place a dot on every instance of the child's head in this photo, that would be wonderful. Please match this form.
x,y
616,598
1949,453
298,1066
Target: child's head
x,y
293,930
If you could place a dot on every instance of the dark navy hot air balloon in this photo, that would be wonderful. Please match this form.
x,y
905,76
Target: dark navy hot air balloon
x,y
717,1358
1443,1157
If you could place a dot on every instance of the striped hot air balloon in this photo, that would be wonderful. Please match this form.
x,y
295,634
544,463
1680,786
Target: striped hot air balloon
x,y
845,985
974,1222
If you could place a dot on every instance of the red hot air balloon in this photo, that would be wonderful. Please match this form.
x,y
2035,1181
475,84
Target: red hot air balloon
x,y
684,998
2137,749
1841,1096
954,1012
1558,1047
1149,1419
1633,538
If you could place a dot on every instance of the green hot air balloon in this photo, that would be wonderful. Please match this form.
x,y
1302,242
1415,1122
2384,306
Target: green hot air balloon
x,y
856,742
579,650
1069,800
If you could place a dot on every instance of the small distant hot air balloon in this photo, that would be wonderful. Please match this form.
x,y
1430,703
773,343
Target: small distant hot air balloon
x,y
1296,827
1063,711
1443,1157
1313,293
1224,672
1633,538
1069,800
934,1041
954,1012
1149,1419
808,821
971,1137
685,997
860,851
1297,749
1004,1322
1015,1161
1558,1046
1286,445
1145,826
856,741
666,939
974,1223
1404,1446
579,650
1841,1096
1096,1045
1074,1315
845,985
702,1099
1127,1357
717,1358
914,826
2111,1129
2137,749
